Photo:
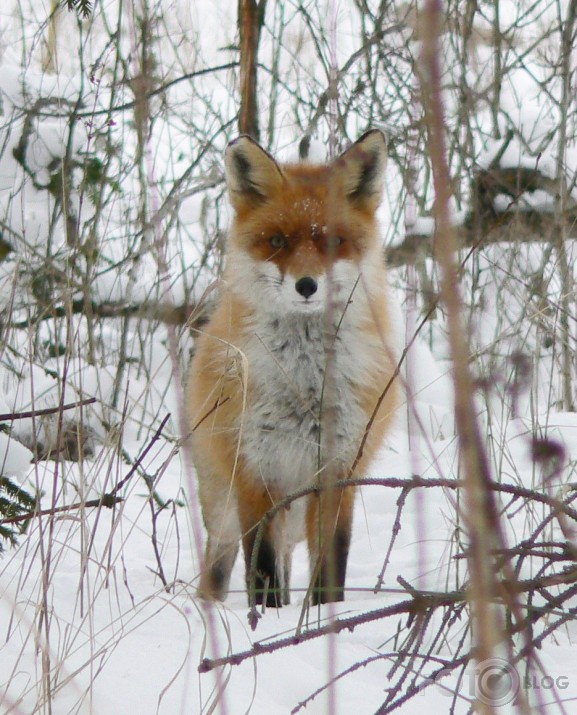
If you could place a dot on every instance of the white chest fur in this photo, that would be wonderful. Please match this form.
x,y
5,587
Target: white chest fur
x,y
297,418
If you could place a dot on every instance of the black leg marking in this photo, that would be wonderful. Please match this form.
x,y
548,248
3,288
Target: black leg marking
x,y
218,579
267,584
219,565
330,585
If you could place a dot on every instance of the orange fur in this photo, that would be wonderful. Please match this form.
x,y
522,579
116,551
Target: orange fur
x,y
288,373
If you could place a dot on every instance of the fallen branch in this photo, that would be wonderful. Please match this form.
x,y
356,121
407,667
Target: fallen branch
x,y
406,484
185,314
140,457
10,416
107,500
411,606
419,603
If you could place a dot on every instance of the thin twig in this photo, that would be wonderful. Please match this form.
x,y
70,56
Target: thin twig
x,y
107,500
10,416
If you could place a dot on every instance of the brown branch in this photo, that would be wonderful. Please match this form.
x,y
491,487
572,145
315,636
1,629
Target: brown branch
x,y
141,456
161,89
420,604
411,606
397,370
10,416
107,500
250,22
186,314
406,484
481,515
213,409
511,226
394,533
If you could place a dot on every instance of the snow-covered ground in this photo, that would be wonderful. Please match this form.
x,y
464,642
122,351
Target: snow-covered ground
x,y
80,597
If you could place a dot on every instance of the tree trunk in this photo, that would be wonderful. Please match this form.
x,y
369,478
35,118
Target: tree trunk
x,y
250,22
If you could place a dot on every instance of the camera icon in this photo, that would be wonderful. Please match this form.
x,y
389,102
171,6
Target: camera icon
x,y
495,682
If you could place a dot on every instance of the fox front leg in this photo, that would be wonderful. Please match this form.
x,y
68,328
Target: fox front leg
x,y
329,526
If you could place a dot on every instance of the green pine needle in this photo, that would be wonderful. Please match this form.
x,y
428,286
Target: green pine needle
x,y
82,7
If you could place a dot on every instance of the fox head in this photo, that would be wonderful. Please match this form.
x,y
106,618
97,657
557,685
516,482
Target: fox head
x,y
304,236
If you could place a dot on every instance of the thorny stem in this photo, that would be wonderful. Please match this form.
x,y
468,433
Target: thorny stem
x,y
107,500
419,604
561,202
335,626
160,238
479,502
416,482
481,517
9,416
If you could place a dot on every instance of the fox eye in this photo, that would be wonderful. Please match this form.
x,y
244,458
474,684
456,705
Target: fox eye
x,y
335,241
277,241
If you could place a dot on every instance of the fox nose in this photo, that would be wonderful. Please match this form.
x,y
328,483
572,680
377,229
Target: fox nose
x,y
306,286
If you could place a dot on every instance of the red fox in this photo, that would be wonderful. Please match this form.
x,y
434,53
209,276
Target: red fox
x,y
292,383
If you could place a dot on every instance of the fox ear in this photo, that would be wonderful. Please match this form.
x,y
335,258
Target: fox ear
x,y
252,175
362,168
